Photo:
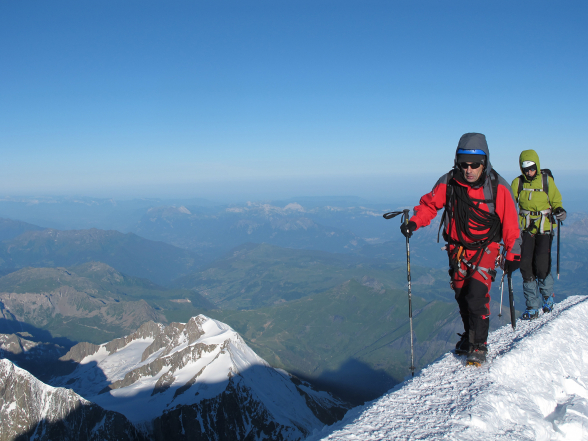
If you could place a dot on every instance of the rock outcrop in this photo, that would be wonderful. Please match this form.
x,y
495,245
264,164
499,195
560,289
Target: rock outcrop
x,y
30,409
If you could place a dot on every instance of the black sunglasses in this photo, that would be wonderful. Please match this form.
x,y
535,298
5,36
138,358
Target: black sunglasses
x,y
473,166
528,169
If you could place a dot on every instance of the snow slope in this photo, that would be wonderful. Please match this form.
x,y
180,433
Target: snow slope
x,y
533,387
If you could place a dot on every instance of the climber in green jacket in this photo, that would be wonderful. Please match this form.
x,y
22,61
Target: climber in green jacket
x,y
540,206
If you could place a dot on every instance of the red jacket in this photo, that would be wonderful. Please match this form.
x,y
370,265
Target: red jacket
x,y
505,208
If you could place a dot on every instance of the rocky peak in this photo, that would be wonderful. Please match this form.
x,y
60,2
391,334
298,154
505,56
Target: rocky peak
x,y
33,410
194,328
175,334
11,343
80,351
167,339
148,330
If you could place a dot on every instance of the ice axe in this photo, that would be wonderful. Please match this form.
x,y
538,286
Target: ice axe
x,y
405,217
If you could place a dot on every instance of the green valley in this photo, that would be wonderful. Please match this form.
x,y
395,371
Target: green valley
x,y
258,275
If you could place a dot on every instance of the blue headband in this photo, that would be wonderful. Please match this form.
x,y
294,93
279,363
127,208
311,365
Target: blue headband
x,y
471,152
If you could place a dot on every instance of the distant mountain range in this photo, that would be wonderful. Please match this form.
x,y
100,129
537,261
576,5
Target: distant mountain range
x,y
90,302
129,253
9,229
83,213
213,233
210,231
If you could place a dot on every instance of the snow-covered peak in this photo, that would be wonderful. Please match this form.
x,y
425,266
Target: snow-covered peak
x,y
533,387
158,370
294,206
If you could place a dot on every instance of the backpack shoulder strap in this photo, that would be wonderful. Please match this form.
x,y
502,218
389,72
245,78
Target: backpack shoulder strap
x,y
448,195
494,182
449,189
545,174
521,182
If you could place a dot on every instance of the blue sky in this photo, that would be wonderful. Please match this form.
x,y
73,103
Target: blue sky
x,y
259,99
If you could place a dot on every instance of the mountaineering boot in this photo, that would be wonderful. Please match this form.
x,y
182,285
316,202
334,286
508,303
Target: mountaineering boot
x,y
530,314
477,355
548,303
463,345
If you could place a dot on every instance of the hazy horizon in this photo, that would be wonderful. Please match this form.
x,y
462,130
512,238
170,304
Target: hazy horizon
x,y
392,189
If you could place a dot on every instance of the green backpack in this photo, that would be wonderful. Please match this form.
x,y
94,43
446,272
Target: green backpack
x,y
545,174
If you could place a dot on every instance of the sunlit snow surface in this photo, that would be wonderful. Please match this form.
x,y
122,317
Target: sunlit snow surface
x,y
533,387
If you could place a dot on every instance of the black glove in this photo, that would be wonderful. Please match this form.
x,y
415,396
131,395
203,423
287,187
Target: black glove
x,y
408,228
512,265
560,214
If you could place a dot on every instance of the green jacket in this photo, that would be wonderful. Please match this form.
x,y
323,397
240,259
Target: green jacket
x,y
535,201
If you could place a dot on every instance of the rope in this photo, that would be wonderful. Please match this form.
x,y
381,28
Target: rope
x,y
476,228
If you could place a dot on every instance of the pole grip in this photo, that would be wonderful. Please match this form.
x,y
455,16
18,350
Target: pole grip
x,y
405,216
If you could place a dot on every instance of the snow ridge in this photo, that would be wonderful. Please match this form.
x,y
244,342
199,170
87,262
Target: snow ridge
x,y
533,387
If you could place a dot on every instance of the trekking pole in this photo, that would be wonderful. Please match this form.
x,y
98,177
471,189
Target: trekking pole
x,y
502,282
559,224
405,217
501,292
511,301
